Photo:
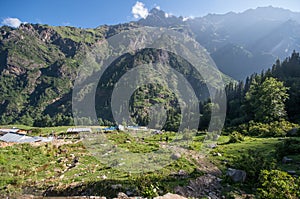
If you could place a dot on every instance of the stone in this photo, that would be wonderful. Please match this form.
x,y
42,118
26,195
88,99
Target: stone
x,y
129,193
286,160
212,146
213,195
170,196
291,172
182,173
293,132
175,156
236,175
122,195
116,186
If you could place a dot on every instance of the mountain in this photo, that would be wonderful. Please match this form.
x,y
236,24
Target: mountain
x,y
38,63
38,68
267,33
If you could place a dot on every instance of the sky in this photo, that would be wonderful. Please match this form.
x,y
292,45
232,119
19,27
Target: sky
x,y
93,13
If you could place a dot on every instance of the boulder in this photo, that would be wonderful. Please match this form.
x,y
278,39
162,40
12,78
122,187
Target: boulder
x,y
236,175
211,146
291,172
116,186
293,132
122,196
286,160
175,156
170,196
217,154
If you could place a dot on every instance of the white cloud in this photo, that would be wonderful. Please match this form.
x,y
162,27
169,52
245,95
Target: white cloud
x,y
13,22
139,10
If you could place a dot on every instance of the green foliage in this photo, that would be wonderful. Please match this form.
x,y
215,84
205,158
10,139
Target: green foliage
x,y
36,131
235,137
278,184
266,100
253,162
263,97
288,147
147,187
272,129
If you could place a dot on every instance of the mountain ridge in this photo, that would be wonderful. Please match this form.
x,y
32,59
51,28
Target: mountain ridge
x,y
38,62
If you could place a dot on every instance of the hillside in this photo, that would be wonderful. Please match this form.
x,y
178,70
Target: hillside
x,y
39,65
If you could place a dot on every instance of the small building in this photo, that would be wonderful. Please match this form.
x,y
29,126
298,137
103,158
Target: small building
x,y
121,127
111,128
14,137
13,130
78,130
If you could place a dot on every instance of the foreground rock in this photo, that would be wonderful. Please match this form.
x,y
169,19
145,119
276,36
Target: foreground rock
x,y
293,132
203,186
236,175
286,160
170,196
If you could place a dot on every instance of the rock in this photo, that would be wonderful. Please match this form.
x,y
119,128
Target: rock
x,y
201,187
182,173
291,172
293,132
175,156
212,146
236,175
116,186
213,195
122,196
129,193
170,196
286,160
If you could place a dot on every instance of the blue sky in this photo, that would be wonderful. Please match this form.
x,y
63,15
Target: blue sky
x,y
92,13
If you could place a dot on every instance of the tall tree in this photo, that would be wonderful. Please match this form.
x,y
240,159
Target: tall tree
x,y
266,101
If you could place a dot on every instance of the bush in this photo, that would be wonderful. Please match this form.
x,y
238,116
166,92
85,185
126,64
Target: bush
x,y
278,184
253,162
235,137
272,129
288,147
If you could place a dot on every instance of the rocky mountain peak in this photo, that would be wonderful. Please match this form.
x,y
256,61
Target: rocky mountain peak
x,y
159,18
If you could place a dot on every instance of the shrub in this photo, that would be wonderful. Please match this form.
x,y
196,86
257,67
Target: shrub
x,y
288,147
253,162
278,184
235,137
272,129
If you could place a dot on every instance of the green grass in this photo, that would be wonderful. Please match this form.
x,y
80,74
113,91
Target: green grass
x,y
26,167
231,151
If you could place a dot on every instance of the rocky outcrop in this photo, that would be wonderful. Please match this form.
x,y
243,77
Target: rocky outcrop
x,y
236,175
203,186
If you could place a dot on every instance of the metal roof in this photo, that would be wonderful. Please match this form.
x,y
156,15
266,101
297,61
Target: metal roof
x,y
13,130
12,137
72,130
